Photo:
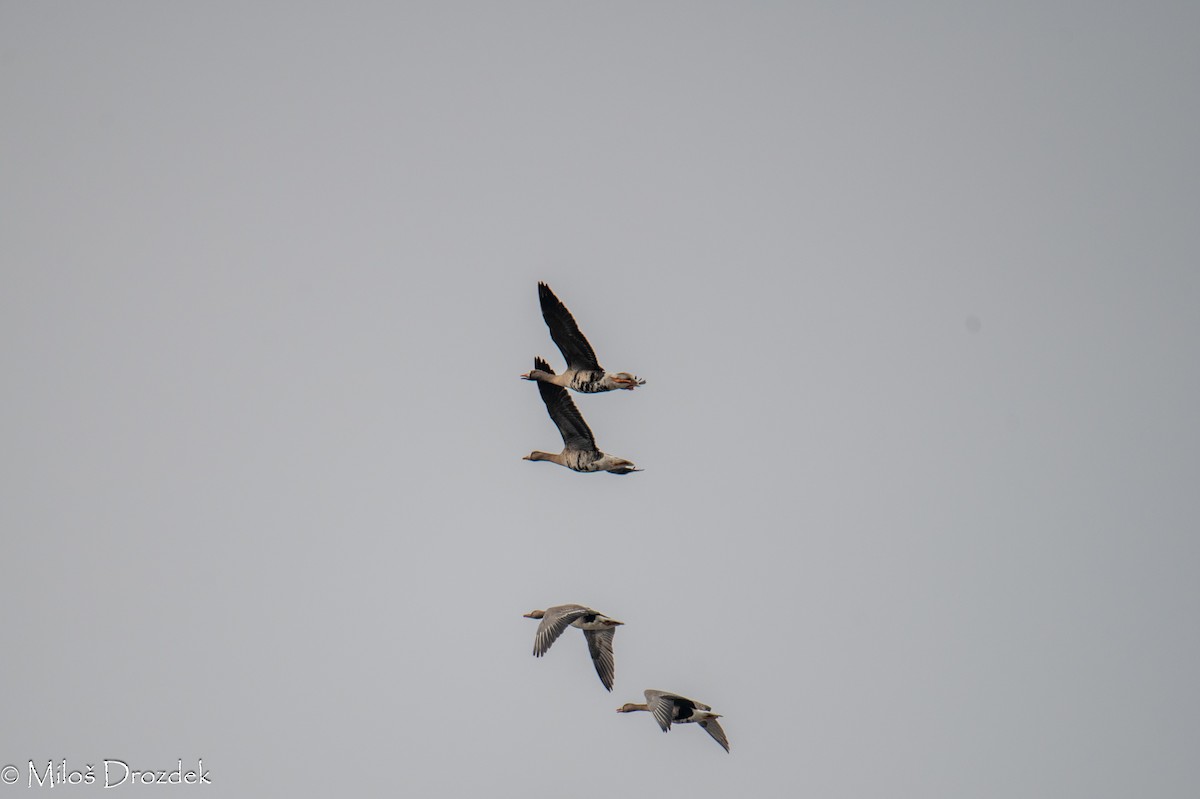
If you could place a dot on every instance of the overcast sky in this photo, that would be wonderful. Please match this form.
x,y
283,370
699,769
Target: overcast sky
x,y
915,288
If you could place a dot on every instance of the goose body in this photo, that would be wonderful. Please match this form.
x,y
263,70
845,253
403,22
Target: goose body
x,y
583,373
579,445
668,709
597,628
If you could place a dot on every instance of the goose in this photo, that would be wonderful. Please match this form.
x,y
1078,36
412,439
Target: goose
x,y
597,628
584,373
579,446
669,709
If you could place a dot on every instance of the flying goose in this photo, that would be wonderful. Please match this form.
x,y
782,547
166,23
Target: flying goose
x,y
584,373
671,709
597,628
579,446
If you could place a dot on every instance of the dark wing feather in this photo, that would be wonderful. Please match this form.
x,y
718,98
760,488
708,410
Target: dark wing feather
x,y
662,707
714,729
552,625
600,647
575,432
682,702
565,332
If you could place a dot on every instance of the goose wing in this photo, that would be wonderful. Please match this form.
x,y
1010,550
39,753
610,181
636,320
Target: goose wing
x,y
662,707
714,729
565,332
556,620
600,647
575,432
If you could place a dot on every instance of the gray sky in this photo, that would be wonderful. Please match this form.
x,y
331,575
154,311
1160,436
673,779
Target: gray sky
x,y
915,289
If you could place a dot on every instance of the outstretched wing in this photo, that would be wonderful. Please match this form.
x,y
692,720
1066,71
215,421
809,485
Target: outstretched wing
x,y
600,647
714,729
553,623
565,332
575,432
662,707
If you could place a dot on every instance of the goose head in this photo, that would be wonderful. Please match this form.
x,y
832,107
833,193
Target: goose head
x,y
538,456
535,614
630,707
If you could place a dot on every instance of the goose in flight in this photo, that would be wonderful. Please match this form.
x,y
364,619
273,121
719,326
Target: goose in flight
x,y
579,446
584,373
597,628
669,709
